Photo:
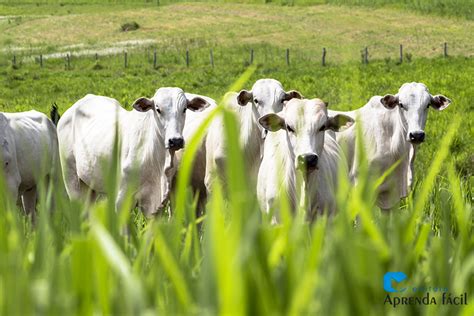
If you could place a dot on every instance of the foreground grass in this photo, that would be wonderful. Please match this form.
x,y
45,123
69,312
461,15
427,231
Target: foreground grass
x,y
176,27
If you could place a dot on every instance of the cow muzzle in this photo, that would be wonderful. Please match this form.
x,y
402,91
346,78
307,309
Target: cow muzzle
x,y
308,162
175,143
416,137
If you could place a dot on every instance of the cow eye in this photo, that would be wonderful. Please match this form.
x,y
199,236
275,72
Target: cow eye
x,y
402,106
255,101
158,110
289,129
322,128
6,163
184,111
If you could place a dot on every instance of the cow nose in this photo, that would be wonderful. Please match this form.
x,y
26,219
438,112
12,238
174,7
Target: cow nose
x,y
308,161
176,143
417,137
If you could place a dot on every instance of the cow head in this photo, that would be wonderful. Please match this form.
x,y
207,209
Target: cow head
x,y
267,95
8,157
170,105
305,122
413,100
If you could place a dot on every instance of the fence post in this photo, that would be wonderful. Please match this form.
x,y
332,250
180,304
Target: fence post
x,y
211,56
323,61
68,60
14,60
445,49
187,57
366,55
251,56
401,53
41,60
96,56
287,56
154,59
125,61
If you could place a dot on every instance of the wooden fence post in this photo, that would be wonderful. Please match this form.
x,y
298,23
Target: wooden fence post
x,y
14,60
96,57
211,56
187,57
445,49
125,59
68,60
366,55
287,56
323,61
41,60
251,56
154,59
401,53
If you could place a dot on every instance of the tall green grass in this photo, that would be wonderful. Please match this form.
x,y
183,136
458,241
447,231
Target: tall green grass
x,y
233,261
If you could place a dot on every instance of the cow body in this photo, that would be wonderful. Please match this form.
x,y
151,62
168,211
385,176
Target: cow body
x,y
250,139
266,96
148,137
392,127
30,154
198,171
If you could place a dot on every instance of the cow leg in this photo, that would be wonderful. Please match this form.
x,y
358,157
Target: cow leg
x,y
411,166
121,197
76,189
217,171
29,203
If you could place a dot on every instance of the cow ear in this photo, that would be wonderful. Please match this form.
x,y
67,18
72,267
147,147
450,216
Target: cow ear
x,y
440,102
293,94
272,122
197,104
389,101
339,122
143,104
244,97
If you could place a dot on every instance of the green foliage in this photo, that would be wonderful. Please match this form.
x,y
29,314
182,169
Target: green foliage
x,y
232,260
129,26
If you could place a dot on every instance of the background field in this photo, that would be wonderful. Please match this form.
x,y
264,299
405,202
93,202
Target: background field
x,y
235,262
343,30
461,8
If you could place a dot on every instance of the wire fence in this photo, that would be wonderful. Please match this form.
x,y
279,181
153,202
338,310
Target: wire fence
x,y
201,57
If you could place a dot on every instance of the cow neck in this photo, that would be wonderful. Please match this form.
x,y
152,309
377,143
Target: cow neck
x,y
151,127
278,147
250,133
399,143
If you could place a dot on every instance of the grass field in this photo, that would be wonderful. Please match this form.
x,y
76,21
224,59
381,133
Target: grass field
x,y
233,261
177,27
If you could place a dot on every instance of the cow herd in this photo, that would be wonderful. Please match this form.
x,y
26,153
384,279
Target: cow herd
x,y
285,138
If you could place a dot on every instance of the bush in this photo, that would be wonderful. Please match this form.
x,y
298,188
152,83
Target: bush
x,y
129,26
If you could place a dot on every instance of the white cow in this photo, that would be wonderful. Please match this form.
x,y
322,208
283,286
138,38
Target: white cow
x,y
297,143
149,135
266,96
392,127
30,154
